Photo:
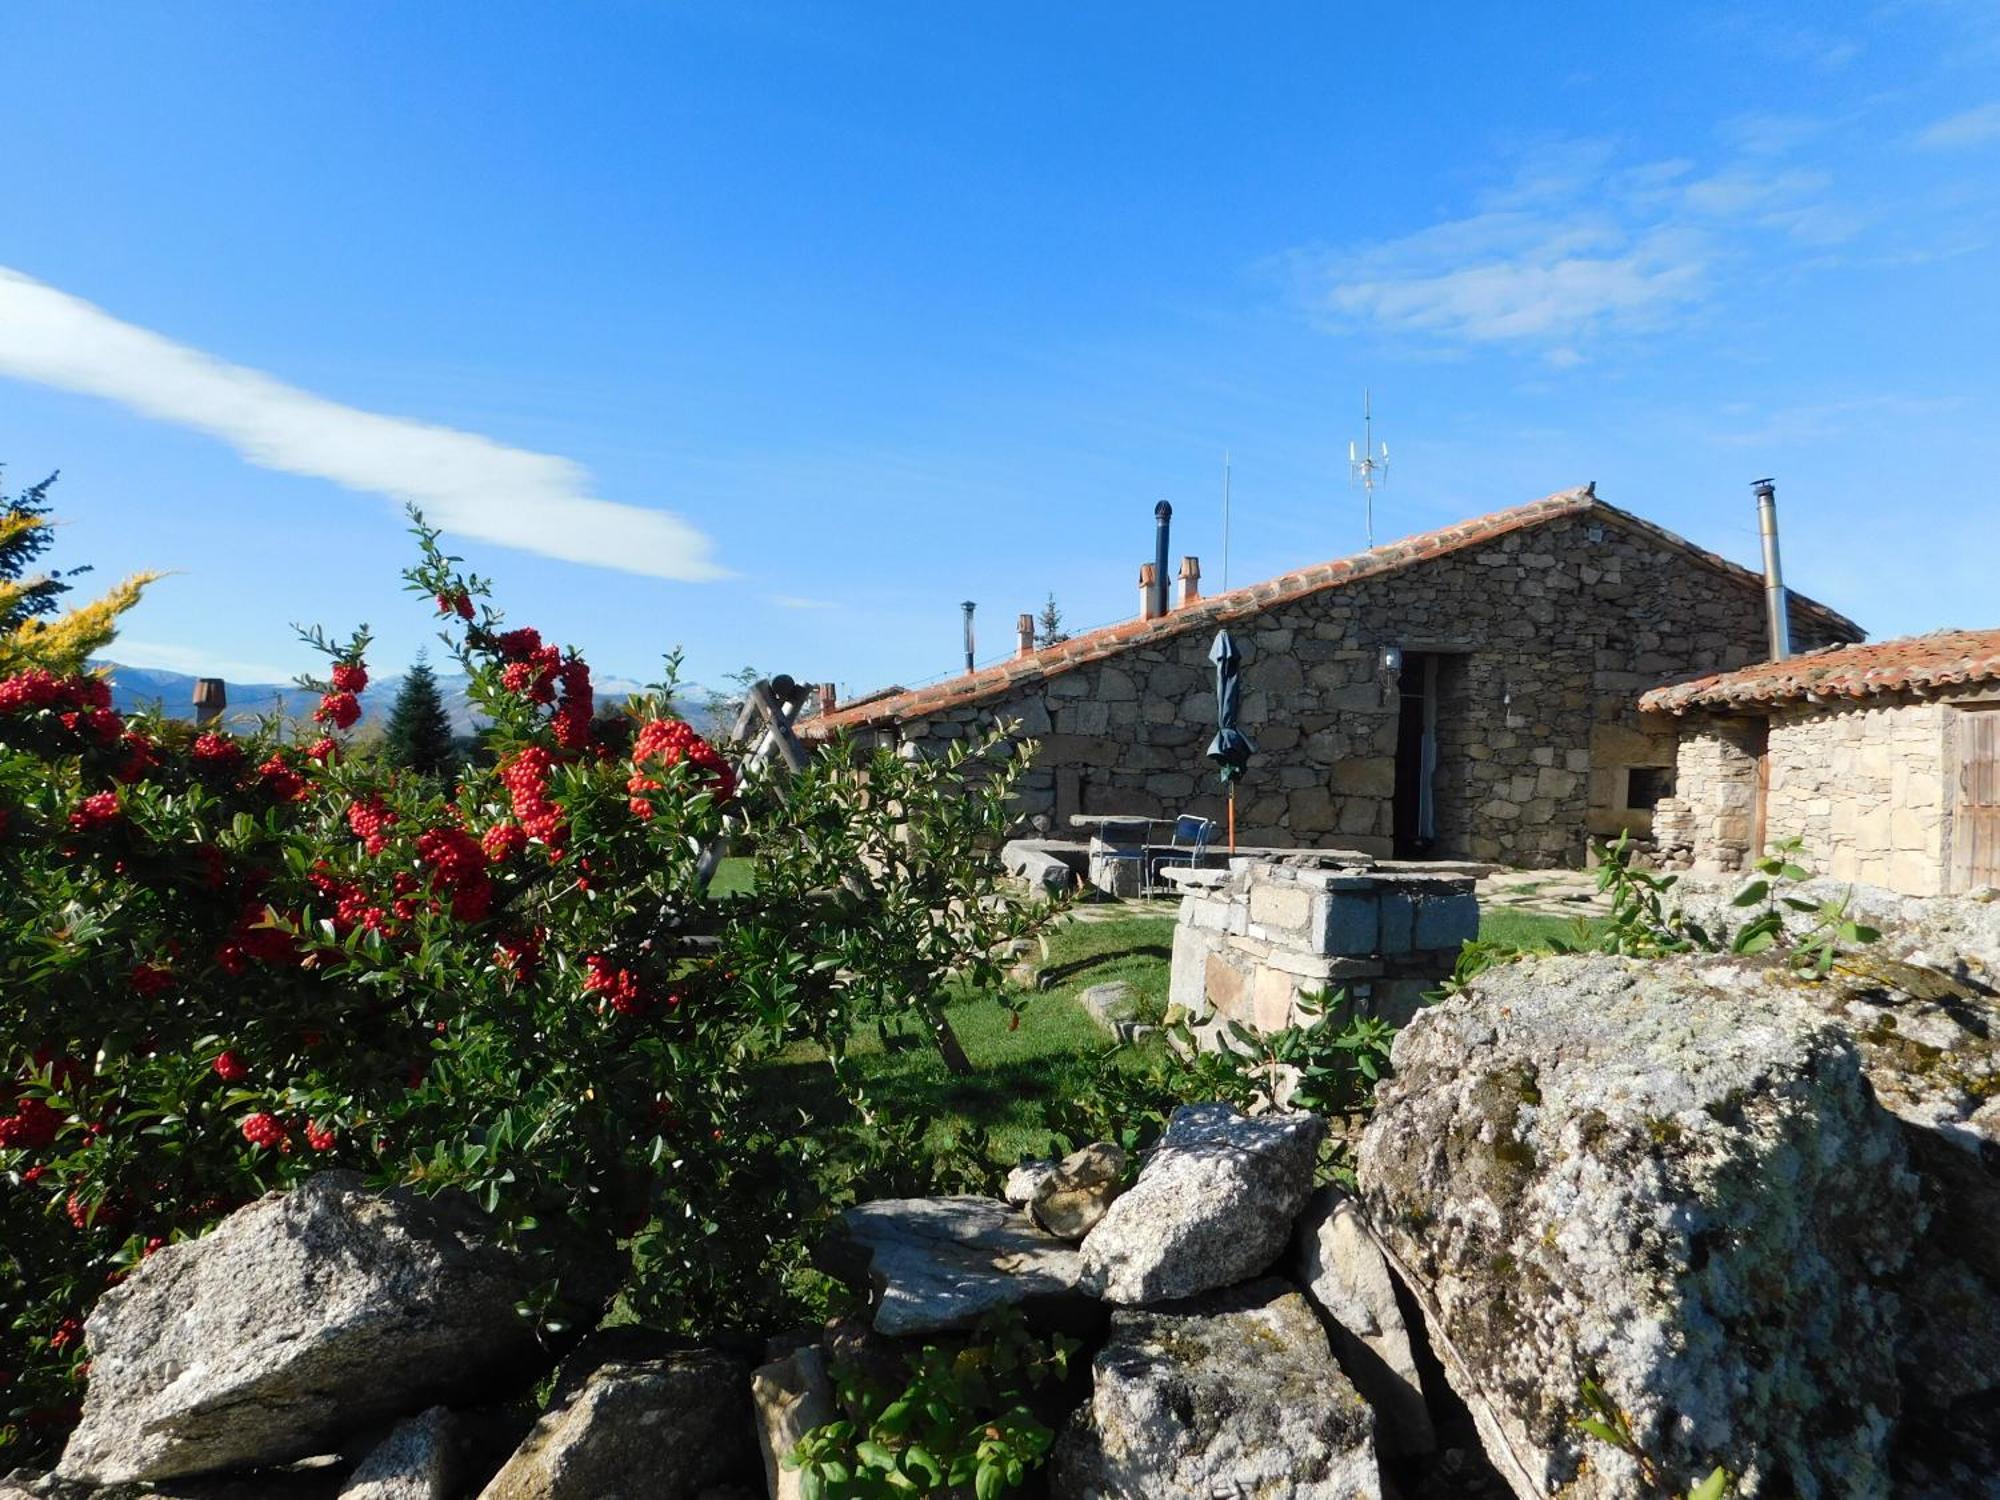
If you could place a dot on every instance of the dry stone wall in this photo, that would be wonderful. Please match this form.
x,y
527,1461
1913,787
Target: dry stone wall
x,y
1711,821
1865,788
1545,636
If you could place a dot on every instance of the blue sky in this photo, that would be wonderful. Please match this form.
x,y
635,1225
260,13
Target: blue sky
x,y
777,331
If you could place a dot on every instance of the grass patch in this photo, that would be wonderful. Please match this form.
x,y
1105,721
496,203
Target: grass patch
x,y
1530,929
733,876
1018,1070
1055,1051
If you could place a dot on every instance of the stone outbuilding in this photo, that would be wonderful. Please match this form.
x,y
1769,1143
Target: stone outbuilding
x,y
1470,692
1883,759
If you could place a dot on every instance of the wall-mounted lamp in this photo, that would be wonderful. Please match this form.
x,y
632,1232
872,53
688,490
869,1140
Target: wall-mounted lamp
x,y
1392,658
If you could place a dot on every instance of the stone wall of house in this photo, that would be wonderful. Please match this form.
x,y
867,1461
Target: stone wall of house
x,y
1866,789
1711,820
1546,636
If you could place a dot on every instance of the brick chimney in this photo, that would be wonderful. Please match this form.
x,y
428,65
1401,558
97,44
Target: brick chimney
x,y
1149,598
210,698
827,697
1025,626
1190,582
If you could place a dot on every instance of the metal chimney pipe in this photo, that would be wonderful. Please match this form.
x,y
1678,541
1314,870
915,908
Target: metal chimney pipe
x,y
1776,610
1163,515
968,606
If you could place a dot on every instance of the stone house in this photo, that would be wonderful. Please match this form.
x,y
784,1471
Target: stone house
x,y
1470,692
1883,759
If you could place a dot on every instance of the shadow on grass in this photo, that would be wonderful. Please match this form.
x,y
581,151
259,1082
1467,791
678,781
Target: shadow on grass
x,y
1063,973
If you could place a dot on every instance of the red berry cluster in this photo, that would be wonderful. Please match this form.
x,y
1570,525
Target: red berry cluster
x,y
459,604
341,710
503,841
141,756
571,723
281,781
352,905
98,810
671,741
458,868
265,1130
371,821
526,777
253,939
350,677
30,1127
619,986
81,703
230,1068
216,755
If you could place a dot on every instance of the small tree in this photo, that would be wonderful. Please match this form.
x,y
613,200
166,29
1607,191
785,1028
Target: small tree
x,y
419,733
723,707
28,638
1049,626
25,536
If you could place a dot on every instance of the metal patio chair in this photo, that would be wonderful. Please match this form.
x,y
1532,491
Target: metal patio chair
x,y
1189,846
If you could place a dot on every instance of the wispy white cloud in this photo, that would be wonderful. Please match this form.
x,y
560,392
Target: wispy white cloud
x,y
165,656
1818,421
467,484
1574,247
793,601
1972,127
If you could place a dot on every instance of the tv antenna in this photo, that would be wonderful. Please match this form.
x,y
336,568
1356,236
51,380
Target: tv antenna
x,y
1368,466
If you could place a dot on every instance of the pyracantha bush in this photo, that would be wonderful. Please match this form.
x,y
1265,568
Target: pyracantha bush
x,y
227,962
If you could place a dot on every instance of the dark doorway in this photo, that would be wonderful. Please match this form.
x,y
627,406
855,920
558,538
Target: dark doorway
x,y
1417,755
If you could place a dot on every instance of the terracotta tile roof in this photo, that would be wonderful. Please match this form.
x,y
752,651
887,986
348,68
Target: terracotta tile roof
x,y
1223,609
1947,658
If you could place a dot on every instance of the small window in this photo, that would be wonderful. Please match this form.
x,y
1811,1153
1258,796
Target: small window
x,y
1646,785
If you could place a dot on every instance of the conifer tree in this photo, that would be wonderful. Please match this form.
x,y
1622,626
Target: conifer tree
x,y
1049,628
25,536
419,731
32,634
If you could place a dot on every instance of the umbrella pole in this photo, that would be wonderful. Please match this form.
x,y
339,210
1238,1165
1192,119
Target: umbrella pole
x,y
1232,817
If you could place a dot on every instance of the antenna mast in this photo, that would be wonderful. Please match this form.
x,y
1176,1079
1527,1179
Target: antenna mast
x,y
1369,467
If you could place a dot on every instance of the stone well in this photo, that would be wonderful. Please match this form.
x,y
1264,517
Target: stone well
x,y
1253,938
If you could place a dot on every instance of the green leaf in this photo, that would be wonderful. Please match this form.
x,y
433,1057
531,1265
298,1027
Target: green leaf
x,y
1752,894
874,1454
917,1459
1601,1431
989,1482
1712,1488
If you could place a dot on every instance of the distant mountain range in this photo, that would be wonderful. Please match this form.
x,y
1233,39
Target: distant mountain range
x,y
172,693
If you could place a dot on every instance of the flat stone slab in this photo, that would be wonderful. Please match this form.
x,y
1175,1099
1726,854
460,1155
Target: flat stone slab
x,y
1213,1205
938,1263
1231,1394
1111,1004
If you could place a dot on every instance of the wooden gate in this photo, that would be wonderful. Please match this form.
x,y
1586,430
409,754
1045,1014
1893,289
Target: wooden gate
x,y
1975,823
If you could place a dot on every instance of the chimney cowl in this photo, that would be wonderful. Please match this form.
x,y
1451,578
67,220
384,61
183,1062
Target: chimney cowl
x,y
1190,582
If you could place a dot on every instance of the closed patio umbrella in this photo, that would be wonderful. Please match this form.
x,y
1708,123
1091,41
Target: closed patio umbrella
x,y
1231,748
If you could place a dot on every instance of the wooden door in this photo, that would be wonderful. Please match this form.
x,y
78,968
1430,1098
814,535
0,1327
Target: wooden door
x,y
1975,822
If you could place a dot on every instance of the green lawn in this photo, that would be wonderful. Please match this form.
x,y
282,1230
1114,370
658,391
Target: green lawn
x,y
1527,929
1018,1071
734,874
